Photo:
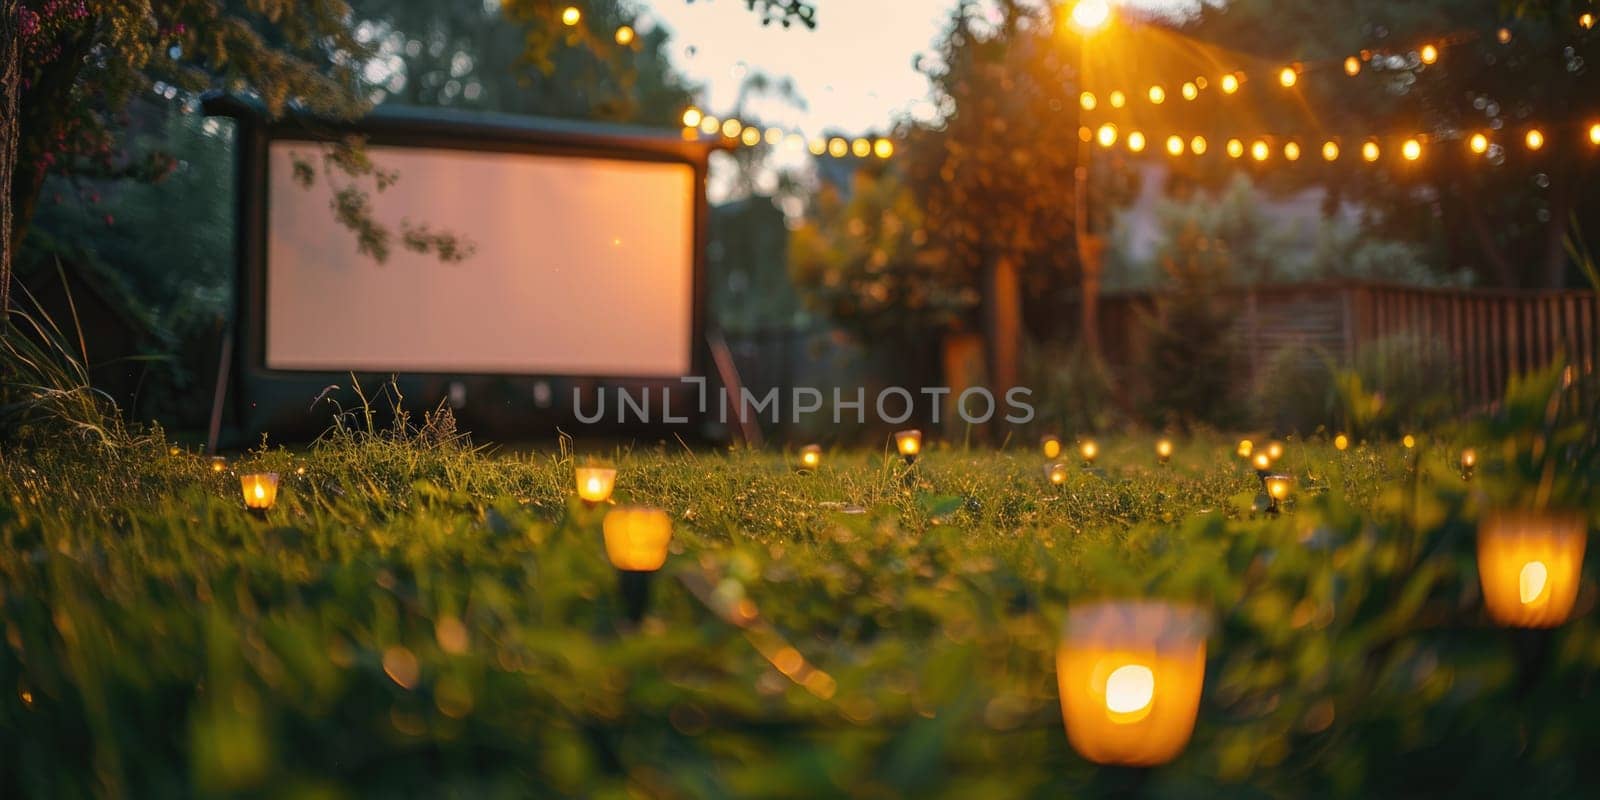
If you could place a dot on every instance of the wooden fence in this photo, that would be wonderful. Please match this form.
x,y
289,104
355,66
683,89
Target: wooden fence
x,y
1491,335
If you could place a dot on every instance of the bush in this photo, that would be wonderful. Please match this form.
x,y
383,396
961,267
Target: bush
x,y
1070,394
1396,384
1297,392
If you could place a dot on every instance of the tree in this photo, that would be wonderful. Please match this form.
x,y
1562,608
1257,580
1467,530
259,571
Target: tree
x,y
1504,215
994,175
70,68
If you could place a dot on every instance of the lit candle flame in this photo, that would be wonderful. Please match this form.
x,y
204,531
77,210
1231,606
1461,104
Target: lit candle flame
x,y
1130,688
1531,582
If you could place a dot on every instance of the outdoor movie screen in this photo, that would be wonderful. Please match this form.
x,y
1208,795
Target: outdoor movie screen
x,y
582,267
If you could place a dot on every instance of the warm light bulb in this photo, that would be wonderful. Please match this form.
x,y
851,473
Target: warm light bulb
x,y
1089,450
883,148
1130,688
1369,151
1478,143
692,117
751,136
838,148
1341,442
1330,150
1534,139
570,16
1594,133
1051,446
1175,145
811,456
1409,441
1118,99
709,124
1259,150
1287,76
1087,101
1190,90
1352,66
1197,145
1158,95
1135,141
731,127
1469,458
1428,54
1163,450
1107,135
818,146
1411,150
1235,148
1089,16
1230,84
1291,151
861,148
1531,582
625,35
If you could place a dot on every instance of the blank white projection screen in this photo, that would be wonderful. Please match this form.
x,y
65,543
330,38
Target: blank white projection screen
x,y
584,266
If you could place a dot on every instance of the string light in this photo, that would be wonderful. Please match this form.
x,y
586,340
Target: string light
x,y
1586,21
1287,76
1230,84
1478,143
731,127
1175,145
1352,66
1428,54
1190,90
709,125
1503,35
883,148
1411,150
837,147
570,16
1369,151
1534,139
1158,95
1197,145
691,117
1107,135
818,146
751,136
861,148
1118,99
1087,101
625,35
1235,148
1259,150
1330,150
1135,141
1594,134
774,135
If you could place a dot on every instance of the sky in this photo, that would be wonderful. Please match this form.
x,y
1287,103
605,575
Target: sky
x,y
855,72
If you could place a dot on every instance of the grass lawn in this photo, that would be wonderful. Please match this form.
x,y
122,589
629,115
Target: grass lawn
x,y
415,619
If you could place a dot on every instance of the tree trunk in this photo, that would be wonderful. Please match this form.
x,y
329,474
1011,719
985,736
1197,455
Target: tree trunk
x,y
1002,324
10,131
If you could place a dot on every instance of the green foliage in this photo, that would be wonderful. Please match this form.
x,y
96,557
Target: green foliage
x,y
862,258
1071,394
1297,390
1397,384
419,618
1190,354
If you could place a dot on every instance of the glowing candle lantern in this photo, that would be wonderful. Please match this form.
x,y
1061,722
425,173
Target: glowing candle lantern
x,y
1163,450
1262,461
260,491
1245,448
218,463
570,16
637,538
810,456
636,543
909,443
1278,487
595,483
1275,450
1408,441
1530,564
1051,445
1341,442
1129,676
1055,473
1089,450
1469,462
